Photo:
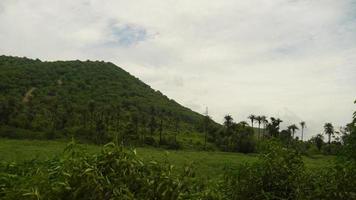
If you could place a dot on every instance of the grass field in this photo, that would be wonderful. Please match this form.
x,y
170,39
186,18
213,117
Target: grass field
x,y
207,164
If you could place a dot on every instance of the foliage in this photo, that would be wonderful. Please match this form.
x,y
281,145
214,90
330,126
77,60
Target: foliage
x,y
337,182
293,128
318,141
118,173
57,98
236,137
277,175
280,174
206,163
273,127
349,139
114,173
329,131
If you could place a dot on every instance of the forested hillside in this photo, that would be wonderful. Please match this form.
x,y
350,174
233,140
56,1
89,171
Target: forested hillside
x,y
89,99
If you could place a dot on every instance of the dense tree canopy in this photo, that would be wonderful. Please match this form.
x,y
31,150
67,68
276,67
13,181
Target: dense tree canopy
x,y
68,96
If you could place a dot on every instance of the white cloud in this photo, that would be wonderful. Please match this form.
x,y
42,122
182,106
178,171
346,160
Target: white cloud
x,y
292,59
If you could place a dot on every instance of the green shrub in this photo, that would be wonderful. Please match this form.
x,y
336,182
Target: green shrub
x,y
337,182
349,148
277,175
113,174
246,145
117,173
280,174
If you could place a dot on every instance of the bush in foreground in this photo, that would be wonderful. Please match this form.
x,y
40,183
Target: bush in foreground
x,y
112,174
116,173
280,174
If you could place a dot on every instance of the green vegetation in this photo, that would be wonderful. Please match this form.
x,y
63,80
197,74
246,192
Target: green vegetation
x,y
22,150
116,173
94,101
280,173
154,148
206,164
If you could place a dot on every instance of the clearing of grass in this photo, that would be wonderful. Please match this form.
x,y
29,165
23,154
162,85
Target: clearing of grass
x,y
206,164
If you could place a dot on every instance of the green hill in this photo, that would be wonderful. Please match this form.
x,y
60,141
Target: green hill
x,y
71,97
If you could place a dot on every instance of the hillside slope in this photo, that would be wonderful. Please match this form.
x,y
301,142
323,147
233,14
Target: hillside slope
x,y
67,95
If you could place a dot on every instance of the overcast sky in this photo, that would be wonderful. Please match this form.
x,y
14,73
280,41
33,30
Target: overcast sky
x,y
292,59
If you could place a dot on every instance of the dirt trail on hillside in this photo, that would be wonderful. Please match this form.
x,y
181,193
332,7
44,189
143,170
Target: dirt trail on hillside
x,y
28,95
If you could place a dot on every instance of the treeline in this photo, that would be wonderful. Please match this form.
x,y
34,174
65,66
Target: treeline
x,y
93,122
245,138
100,123
116,173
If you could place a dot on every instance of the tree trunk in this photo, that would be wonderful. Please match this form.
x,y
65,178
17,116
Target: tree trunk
x,y
329,147
259,130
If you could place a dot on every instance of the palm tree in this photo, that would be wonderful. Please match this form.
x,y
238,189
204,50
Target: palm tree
x,y
279,121
302,125
273,127
228,121
264,122
293,128
329,130
252,118
259,120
